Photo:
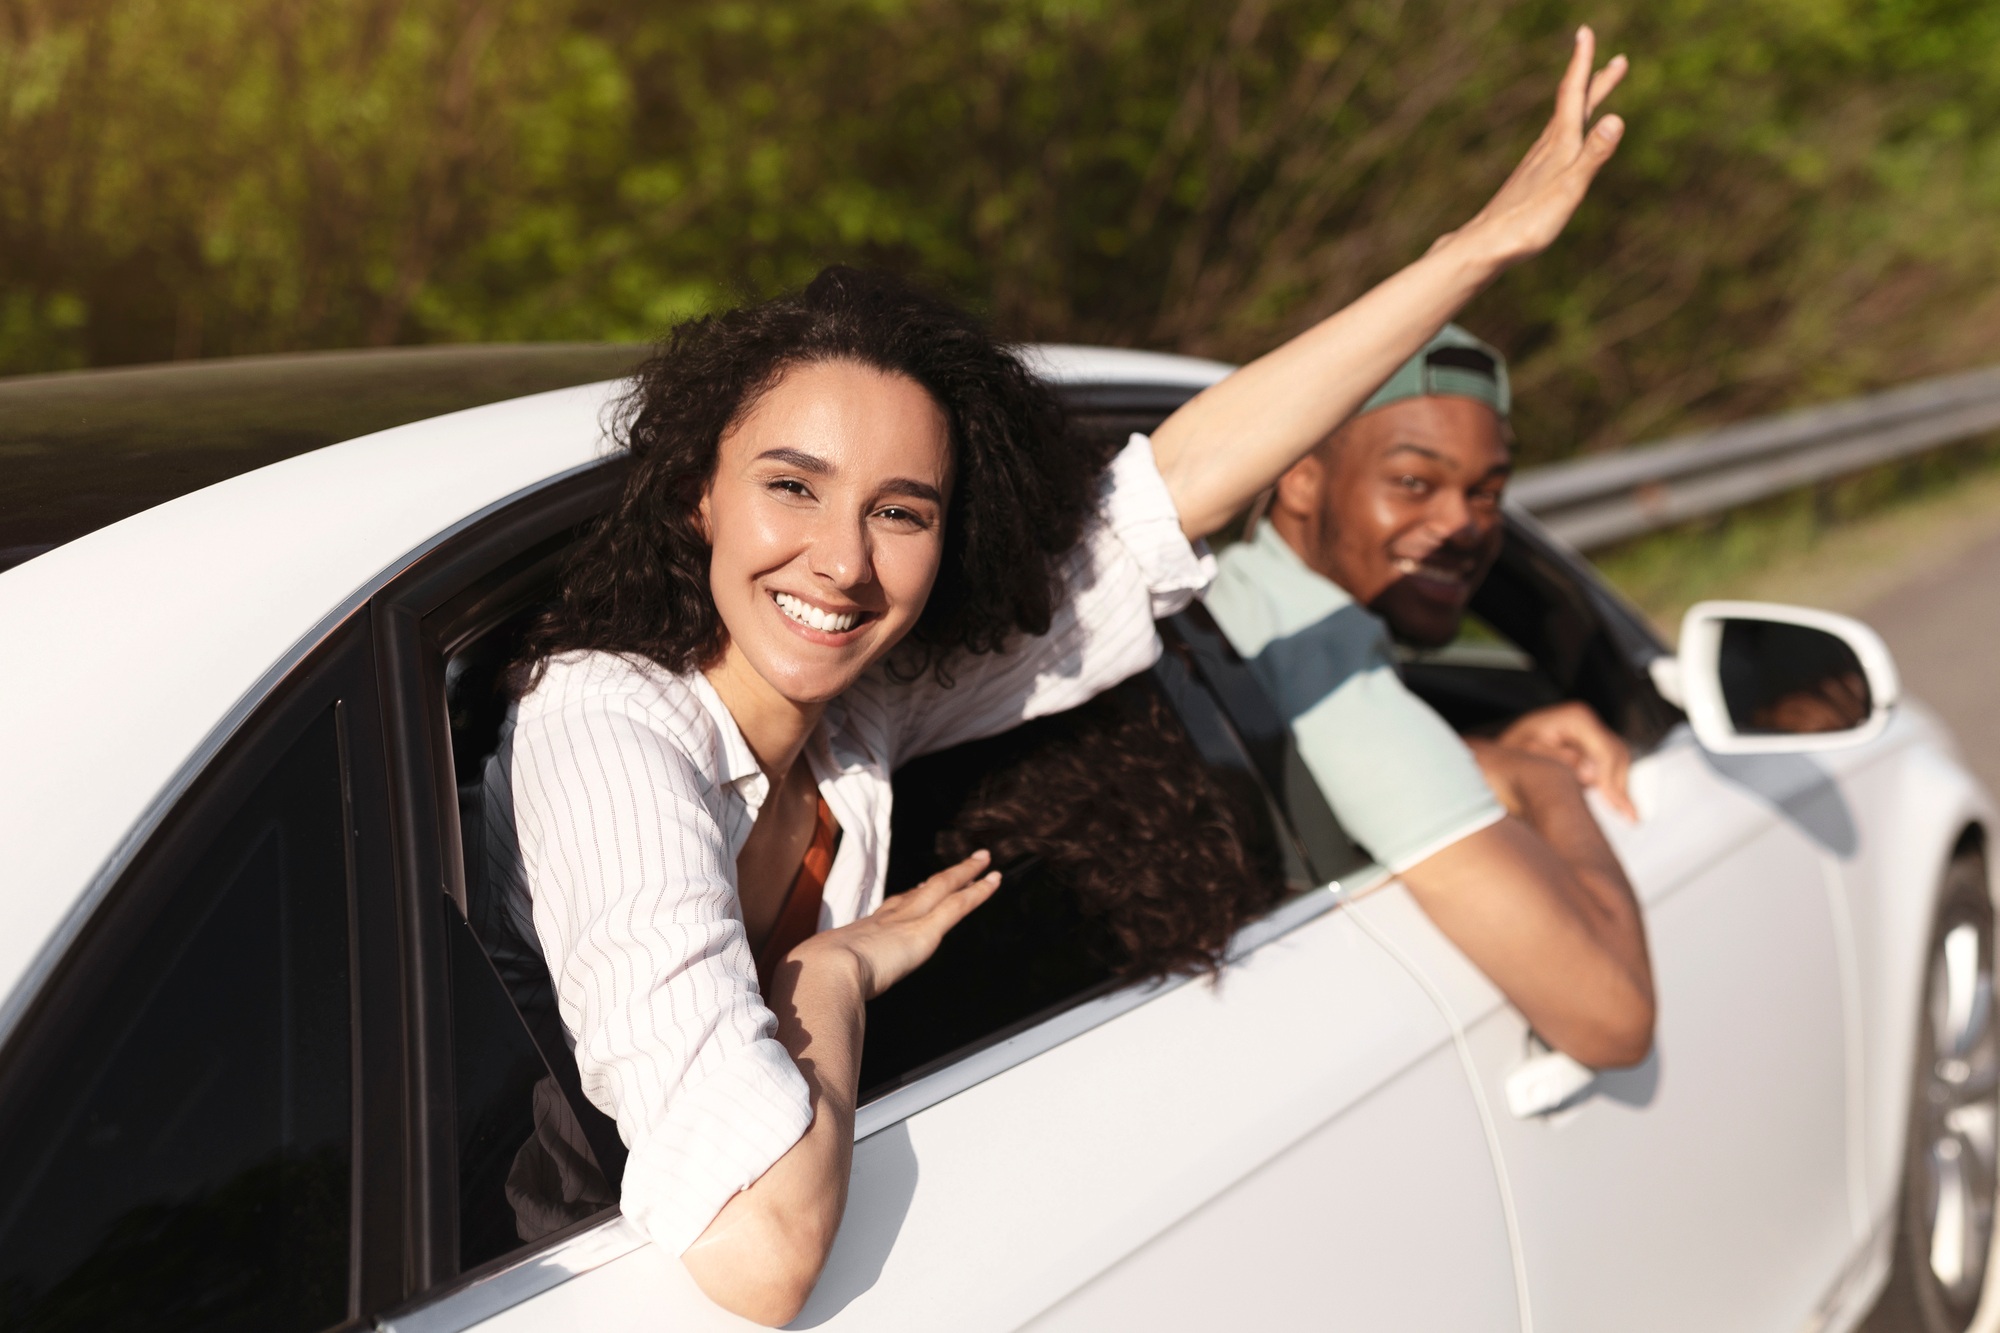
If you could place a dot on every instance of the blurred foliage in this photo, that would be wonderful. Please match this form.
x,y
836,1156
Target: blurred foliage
x,y
1804,206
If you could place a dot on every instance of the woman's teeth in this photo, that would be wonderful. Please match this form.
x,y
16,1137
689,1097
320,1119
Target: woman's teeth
x,y
827,622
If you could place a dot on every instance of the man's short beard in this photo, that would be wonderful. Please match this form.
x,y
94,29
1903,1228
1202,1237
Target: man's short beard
x,y
1404,639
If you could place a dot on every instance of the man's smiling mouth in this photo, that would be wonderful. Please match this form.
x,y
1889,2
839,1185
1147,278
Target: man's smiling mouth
x,y
1455,573
812,617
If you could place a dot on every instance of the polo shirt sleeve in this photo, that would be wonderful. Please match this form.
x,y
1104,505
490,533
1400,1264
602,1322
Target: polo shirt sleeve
x,y
1397,777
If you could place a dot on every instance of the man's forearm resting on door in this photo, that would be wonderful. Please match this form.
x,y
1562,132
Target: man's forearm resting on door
x,y
1540,904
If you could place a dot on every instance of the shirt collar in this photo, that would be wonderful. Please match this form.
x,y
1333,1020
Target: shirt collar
x,y
840,753
739,761
1286,563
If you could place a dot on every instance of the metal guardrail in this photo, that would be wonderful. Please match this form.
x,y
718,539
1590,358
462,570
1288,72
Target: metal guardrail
x,y
1594,502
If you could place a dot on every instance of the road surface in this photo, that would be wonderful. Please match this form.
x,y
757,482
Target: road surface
x,y
1944,629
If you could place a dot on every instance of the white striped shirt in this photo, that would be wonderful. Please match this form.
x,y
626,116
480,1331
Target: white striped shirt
x,y
629,791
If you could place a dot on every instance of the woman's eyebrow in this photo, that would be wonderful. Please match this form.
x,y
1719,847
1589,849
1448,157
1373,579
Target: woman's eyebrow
x,y
916,490
813,463
799,459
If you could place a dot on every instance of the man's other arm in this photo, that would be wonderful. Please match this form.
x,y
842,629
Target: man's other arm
x,y
1540,904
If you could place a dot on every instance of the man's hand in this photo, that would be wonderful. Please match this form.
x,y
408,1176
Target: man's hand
x,y
1572,735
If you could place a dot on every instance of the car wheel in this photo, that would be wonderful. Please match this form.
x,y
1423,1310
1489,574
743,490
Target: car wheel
x,y
1946,1226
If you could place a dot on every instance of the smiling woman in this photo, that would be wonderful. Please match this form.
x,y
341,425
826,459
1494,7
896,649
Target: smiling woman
x,y
853,533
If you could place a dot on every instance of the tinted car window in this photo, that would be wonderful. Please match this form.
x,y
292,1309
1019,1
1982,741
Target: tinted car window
x,y
534,1155
187,1164
525,1168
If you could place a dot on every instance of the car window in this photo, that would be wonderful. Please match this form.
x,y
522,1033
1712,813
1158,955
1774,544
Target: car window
x,y
1130,829
183,1156
526,1170
533,1152
1540,631
1480,681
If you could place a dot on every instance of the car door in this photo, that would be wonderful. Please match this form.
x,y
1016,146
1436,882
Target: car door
x,y
200,1114
1711,1186
1299,1141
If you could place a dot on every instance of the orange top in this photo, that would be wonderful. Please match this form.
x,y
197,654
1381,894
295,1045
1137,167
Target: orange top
x,y
798,919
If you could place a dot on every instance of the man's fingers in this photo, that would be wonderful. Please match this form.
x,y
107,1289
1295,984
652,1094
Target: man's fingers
x,y
1611,765
1618,783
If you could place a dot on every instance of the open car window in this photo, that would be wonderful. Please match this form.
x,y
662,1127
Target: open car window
x,y
1540,631
1480,681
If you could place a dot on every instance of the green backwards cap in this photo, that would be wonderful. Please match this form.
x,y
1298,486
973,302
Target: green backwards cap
x,y
1453,364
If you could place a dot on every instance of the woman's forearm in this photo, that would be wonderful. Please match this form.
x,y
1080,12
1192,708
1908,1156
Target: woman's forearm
x,y
764,1251
1236,438
1239,436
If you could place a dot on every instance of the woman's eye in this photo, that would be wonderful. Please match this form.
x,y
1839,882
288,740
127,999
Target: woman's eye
x,y
906,517
790,486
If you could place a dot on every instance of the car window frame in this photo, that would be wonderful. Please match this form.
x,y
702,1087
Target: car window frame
x,y
437,601
336,672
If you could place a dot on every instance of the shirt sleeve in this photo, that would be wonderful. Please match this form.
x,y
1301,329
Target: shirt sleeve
x,y
1396,775
636,917
1132,567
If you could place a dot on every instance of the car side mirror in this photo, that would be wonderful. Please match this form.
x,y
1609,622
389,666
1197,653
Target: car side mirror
x,y
1759,678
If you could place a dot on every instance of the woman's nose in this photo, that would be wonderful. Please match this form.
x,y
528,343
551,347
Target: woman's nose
x,y
840,552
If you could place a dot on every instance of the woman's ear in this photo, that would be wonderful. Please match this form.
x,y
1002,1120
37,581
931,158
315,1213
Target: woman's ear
x,y
701,513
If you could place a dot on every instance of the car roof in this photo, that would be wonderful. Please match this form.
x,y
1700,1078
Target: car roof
x,y
84,449
134,651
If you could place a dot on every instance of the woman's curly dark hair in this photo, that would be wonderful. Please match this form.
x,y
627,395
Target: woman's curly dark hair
x,y
1163,854
1019,500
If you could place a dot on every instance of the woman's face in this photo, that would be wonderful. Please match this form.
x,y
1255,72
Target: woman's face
x,y
826,525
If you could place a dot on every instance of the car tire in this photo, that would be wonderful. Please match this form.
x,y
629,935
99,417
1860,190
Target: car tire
x,y
1946,1217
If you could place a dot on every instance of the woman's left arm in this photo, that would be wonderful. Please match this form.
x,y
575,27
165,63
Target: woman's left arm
x,y
1234,439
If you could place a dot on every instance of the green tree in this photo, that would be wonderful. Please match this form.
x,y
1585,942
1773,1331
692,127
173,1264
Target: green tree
x,y
1805,205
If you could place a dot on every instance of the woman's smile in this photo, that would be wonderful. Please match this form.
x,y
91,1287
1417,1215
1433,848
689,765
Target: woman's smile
x,y
821,624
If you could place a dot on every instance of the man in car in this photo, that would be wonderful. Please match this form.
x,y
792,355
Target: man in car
x,y
1384,532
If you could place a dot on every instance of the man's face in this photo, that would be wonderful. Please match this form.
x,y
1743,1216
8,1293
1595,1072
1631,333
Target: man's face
x,y
1401,507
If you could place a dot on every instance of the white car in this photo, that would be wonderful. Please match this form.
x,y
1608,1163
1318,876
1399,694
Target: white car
x,y
259,1073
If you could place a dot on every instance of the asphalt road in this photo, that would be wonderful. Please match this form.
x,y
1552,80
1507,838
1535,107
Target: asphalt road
x,y
1944,629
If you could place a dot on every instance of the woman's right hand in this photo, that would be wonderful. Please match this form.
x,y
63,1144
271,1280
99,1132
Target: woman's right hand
x,y
902,934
